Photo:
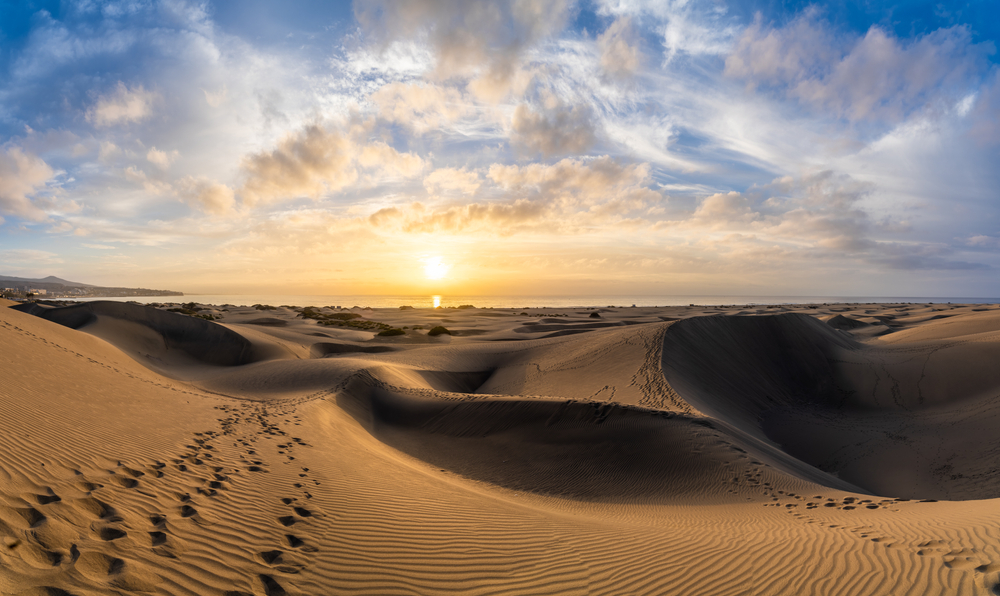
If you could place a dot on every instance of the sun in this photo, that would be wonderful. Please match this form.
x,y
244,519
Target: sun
x,y
434,268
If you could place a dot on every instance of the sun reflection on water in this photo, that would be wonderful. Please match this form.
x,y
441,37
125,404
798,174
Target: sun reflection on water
x,y
437,301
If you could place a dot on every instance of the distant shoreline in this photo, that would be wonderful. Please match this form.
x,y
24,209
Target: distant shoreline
x,y
364,306
520,302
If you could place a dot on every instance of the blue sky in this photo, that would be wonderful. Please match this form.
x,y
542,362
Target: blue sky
x,y
631,146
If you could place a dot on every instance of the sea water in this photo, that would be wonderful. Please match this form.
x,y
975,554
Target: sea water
x,y
525,301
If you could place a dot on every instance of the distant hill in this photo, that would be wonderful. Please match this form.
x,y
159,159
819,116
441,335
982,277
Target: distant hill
x,y
56,287
52,279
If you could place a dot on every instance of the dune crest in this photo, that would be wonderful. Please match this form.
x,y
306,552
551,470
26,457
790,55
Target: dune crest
x,y
149,333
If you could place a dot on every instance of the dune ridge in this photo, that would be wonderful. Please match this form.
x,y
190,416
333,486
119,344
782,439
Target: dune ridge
x,y
696,450
149,331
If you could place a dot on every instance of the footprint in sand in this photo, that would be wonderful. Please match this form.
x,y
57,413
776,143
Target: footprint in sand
x,y
96,508
953,559
123,481
271,587
43,499
109,534
294,541
26,516
119,574
98,566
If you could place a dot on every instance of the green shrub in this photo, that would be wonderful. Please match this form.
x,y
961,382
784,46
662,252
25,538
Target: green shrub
x,y
390,332
439,330
264,307
193,313
343,316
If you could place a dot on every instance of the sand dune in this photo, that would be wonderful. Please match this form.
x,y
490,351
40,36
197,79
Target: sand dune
x,y
162,338
695,450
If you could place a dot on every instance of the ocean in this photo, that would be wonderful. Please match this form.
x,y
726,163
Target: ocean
x,y
426,301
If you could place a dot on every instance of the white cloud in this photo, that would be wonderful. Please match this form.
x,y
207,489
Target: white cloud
x,y
108,151
473,39
555,129
207,195
692,28
323,159
60,228
386,160
985,112
151,185
420,107
22,176
123,105
874,76
620,55
310,163
451,180
724,209
161,159
216,98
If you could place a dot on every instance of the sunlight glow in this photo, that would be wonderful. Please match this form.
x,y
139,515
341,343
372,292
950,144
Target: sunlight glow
x,y
434,268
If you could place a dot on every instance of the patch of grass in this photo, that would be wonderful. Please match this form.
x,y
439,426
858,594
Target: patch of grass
x,y
265,307
344,319
193,312
439,330
363,324
309,313
391,332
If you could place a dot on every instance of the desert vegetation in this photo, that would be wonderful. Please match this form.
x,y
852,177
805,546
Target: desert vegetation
x,y
193,310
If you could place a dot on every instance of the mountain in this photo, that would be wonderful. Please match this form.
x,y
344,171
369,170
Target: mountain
x,y
56,287
45,280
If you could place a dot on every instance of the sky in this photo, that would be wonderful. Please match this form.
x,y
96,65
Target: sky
x,y
540,147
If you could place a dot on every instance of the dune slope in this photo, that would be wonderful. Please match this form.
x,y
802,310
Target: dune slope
x,y
895,419
711,454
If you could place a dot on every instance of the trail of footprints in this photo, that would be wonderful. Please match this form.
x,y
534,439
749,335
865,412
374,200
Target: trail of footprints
x,y
799,506
57,346
70,533
803,508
